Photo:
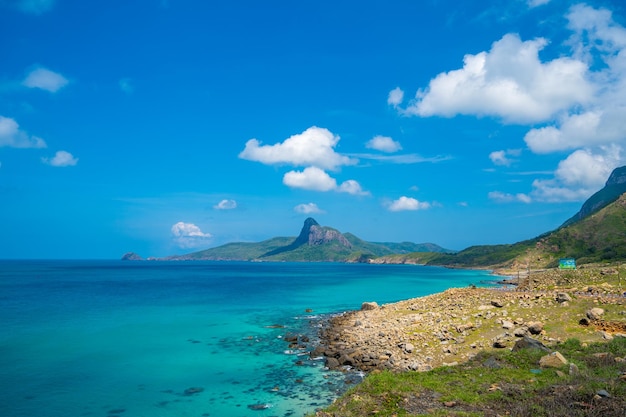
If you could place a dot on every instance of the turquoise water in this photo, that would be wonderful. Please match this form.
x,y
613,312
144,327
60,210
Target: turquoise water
x,y
125,339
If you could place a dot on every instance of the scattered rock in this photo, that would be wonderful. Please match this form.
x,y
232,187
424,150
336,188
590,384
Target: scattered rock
x,y
535,327
497,303
507,324
603,393
193,391
499,344
595,313
369,306
529,343
520,332
258,407
563,297
553,360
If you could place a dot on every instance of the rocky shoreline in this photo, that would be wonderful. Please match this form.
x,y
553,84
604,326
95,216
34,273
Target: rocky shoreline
x,y
453,326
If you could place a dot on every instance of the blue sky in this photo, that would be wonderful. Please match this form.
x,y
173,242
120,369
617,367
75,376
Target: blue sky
x,y
169,126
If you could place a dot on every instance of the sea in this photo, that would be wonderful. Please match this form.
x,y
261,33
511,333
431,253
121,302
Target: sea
x,y
192,338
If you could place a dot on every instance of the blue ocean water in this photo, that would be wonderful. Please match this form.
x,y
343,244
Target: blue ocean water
x,y
126,339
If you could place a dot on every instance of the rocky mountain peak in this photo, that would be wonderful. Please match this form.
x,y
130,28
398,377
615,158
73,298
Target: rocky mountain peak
x,y
617,177
615,186
313,234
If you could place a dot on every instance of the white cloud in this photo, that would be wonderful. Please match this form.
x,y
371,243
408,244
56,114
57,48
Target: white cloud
x,y
316,179
501,197
352,187
537,3
188,235
313,147
226,205
308,208
578,176
597,38
396,96
407,204
45,79
509,82
383,144
61,159
311,178
12,136
501,158
578,99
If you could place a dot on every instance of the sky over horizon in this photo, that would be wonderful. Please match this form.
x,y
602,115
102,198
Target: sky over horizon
x,y
169,126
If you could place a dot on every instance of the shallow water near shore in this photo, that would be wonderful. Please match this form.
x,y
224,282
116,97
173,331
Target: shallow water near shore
x,y
114,338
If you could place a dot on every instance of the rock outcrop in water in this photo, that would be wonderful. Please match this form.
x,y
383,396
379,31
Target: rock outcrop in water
x,y
131,256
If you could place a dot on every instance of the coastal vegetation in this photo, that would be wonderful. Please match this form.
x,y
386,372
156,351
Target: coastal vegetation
x,y
486,352
500,383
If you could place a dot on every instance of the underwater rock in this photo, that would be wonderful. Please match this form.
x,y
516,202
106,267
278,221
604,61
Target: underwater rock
x,y
193,391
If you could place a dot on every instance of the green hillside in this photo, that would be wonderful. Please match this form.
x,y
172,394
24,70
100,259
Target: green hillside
x,y
315,243
600,237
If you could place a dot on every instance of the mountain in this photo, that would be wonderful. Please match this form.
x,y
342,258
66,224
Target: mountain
x,y
314,243
615,186
595,234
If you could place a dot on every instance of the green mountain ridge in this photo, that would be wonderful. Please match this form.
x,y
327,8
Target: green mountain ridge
x,y
315,243
597,233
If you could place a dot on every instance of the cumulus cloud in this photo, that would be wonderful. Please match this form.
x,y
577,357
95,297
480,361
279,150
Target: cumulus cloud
x,y
509,82
597,37
45,79
313,147
188,235
308,208
311,178
579,175
501,197
396,96
226,205
383,144
12,136
316,179
352,187
61,159
576,102
407,204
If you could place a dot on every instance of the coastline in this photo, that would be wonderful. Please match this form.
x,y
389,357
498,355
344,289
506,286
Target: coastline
x,y
451,327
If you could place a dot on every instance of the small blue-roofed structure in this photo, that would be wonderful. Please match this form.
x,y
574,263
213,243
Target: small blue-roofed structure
x,y
567,263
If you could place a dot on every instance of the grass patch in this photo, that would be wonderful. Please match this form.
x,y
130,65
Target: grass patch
x,y
499,383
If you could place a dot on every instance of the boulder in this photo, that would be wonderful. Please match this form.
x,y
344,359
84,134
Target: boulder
x,y
553,360
563,297
507,324
529,343
332,363
535,327
595,313
369,306
497,303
